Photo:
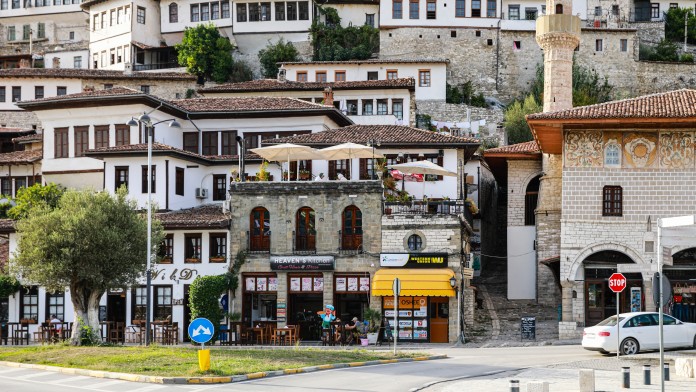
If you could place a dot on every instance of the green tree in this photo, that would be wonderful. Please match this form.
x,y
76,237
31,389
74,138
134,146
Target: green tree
x,y
515,122
674,25
332,42
34,196
276,53
205,53
91,242
240,72
204,299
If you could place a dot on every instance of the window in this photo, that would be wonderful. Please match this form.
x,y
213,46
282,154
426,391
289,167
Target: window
x,y
382,107
413,9
145,89
112,56
398,108
623,45
491,9
229,142
460,8
352,107
367,107
163,302
71,35
192,248
415,242
121,177
612,201
302,76
77,62
29,303
530,13
367,169
101,136
179,181
11,33
516,45
673,5
340,76
102,19
205,12
339,167
173,13
370,20
351,234
210,143
655,10
20,182
61,90
191,142
112,19
424,78
143,183
26,31
60,145
225,10
265,12
38,92
559,9
241,13
279,11
15,4
139,303
372,75
6,186
531,197
305,233
219,187
140,15
320,76
514,12
214,11
16,93
292,10
598,45
430,9
612,155
303,7
122,135
260,230
476,9
81,140
55,305
3,4
3,94
195,13
218,247
392,74
41,30
397,9
167,249
615,9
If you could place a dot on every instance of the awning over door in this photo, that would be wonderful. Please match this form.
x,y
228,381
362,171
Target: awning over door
x,y
414,282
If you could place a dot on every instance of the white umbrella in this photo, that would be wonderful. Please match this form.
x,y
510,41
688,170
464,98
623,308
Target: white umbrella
x,y
423,167
349,151
287,152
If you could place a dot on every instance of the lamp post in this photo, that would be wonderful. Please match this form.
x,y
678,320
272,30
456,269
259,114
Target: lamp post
x,y
145,120
453,283
372,143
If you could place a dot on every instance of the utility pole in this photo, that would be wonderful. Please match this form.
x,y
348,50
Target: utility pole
x,y
686,22
31,46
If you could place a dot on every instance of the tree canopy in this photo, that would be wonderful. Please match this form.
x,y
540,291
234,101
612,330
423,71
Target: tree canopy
x,y
206,53
674,25
276,53
90,242
514,119
34,196
332,42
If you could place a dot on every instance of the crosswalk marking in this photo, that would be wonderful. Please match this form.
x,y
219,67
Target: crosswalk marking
x,y
71,379
32,375
103,384
149,388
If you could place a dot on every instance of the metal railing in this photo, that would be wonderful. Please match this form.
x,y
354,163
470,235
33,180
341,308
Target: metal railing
x,y
300,246
348,249
251,249
422,207
152,66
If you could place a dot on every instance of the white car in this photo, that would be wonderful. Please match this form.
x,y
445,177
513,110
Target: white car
x,y
639,332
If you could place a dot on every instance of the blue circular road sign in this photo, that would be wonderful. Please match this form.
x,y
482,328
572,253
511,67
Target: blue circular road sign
x,y
201,330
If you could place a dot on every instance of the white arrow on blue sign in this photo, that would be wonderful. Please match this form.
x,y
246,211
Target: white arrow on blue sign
x,y
201,330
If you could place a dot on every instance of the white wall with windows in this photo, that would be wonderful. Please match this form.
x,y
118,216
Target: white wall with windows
x,y
277,16
78,59
26,89
357,14
18,8
177,15
17,176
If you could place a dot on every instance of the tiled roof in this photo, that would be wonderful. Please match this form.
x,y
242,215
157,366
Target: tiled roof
x,y
15,130
520,148
672,104
252,104
206,216
386,134
370,61
20,157
36,137
115,91
7,226
158,147
73,73
4,253
276,85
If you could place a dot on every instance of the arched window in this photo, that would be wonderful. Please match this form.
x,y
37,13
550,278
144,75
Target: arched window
x,y
559,9
305,232
352,234
531,196
260,230
415,242
173,13
612,156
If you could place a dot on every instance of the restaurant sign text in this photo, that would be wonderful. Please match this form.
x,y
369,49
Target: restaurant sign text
x,y
302,263
413,260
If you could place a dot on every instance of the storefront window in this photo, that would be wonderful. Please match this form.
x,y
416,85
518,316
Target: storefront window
x,y
351,295
413,317
305,299
259,301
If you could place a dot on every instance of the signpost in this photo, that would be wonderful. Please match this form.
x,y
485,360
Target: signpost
x,y
396,288
617,284
201,330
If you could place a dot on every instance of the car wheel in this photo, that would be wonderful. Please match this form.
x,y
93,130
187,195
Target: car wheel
x,y
629,347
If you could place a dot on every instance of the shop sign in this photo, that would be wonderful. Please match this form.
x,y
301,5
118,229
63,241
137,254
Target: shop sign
x,y
404,334
405,324
420,334
420,323
405,313
302,263
420,313
413,260
468,273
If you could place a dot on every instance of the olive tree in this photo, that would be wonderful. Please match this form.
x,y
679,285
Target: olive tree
x,y
90,242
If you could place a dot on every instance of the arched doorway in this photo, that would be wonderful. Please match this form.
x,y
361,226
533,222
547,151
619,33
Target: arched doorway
x,y
682,276
305,232
531,197
352,229
600,301
259,230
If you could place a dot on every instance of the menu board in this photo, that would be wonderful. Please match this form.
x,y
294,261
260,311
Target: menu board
x,y
340,284
250,284
295,284
261,284
318,284
307,284
272,284
364,284
352,284
413,316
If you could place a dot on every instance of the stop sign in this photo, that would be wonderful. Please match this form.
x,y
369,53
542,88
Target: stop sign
x,y
617,282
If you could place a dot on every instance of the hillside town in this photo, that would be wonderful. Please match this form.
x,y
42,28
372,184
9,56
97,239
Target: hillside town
x,y
465,167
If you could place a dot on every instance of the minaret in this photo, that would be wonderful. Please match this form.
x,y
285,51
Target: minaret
x,y
558,34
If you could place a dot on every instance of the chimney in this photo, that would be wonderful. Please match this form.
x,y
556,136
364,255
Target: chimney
x,y
128,69
24,63
56,62
328,96
88,89
281,75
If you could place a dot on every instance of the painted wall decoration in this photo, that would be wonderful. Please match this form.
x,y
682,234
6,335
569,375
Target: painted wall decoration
x,y
612,148
583,149
640,150
676,150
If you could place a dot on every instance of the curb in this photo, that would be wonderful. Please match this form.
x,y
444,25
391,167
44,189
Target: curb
x,y
211,379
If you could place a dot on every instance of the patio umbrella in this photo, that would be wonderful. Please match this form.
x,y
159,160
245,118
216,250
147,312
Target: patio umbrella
x,y
349,151
423,167
287,152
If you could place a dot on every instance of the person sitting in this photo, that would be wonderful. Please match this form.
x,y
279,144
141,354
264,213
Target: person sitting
x,y
353,331
341,177
57,327
320,177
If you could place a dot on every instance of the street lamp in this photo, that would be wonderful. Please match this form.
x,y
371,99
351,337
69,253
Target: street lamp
x,y
372,143
145,120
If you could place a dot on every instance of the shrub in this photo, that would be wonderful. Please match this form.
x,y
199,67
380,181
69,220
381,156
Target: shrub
x,y
276,53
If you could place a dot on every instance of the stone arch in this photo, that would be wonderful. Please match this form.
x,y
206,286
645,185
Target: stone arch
x,y
528,179
598,247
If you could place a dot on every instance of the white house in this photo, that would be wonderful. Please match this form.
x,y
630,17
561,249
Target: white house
x,y
177,15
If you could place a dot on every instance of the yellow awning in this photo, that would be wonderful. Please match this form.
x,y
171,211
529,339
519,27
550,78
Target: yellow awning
x,y
414,282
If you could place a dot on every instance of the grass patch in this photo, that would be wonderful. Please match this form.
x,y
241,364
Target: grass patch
x,y
183,361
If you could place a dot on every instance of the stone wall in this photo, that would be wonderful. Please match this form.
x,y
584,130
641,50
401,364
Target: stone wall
x,y
451,112
163,88
520,173
18,118
650,32
548,224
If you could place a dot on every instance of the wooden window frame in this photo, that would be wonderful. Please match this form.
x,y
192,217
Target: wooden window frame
x,y
31,291
210,145
460,5
143,181
612,200
353,240
60,314
400,10
179,181
61,146
81,140
313,276
167,249
422,82
191,242
392,74
316,76
301,73
219,187
260,242
217,252
162,303
122,135
228,142
340,72
121,180
186,138
99,132
138,303
310,238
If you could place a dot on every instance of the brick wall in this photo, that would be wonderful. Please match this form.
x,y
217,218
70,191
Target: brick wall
x,y
520,173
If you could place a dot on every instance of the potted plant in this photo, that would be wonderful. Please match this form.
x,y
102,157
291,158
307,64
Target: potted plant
x,y
217,259
373,319
193,260
305,174
263,174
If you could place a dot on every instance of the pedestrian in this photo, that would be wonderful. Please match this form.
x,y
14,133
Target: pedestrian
x,y
353,331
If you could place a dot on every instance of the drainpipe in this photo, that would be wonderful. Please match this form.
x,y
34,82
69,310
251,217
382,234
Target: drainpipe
x,y
497,48
200,134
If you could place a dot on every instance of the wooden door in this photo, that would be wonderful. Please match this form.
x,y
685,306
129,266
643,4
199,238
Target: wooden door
x,y
439,319
306,233
594,302
260,230
352,228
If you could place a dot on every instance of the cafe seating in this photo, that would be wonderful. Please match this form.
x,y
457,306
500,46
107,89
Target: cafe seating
x,y
117,332
20,333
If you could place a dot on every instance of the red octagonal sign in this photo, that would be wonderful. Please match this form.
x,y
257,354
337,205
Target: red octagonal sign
x,y
617,282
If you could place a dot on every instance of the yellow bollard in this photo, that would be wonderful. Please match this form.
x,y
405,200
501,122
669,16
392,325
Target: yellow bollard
x,y
204,360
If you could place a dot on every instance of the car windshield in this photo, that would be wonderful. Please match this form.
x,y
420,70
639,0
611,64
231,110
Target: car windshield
x,y
609,322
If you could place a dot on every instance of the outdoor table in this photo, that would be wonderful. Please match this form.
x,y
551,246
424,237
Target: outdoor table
x,y
285,335
259,334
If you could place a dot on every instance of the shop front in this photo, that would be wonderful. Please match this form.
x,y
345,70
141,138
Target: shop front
x,y
682,276
259,298
423,311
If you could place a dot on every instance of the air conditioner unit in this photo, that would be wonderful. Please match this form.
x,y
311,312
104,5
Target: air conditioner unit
x,y
201,193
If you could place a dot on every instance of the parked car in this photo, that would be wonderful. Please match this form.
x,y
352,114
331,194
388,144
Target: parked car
x,y
639,332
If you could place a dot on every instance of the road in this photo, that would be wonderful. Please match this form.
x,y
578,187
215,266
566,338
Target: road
x,y
462,363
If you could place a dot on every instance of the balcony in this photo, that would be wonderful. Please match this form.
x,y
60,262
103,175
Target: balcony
x,y
421,207
350,244
259,244
304,244
155,66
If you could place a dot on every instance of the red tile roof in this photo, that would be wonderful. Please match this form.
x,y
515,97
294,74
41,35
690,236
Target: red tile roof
x,y
672,104
73,73
4,252
276,85
370,61
112,92
7,226
36,137
243,104
386,134
20,157
206,216
15,130
138,149
520,148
